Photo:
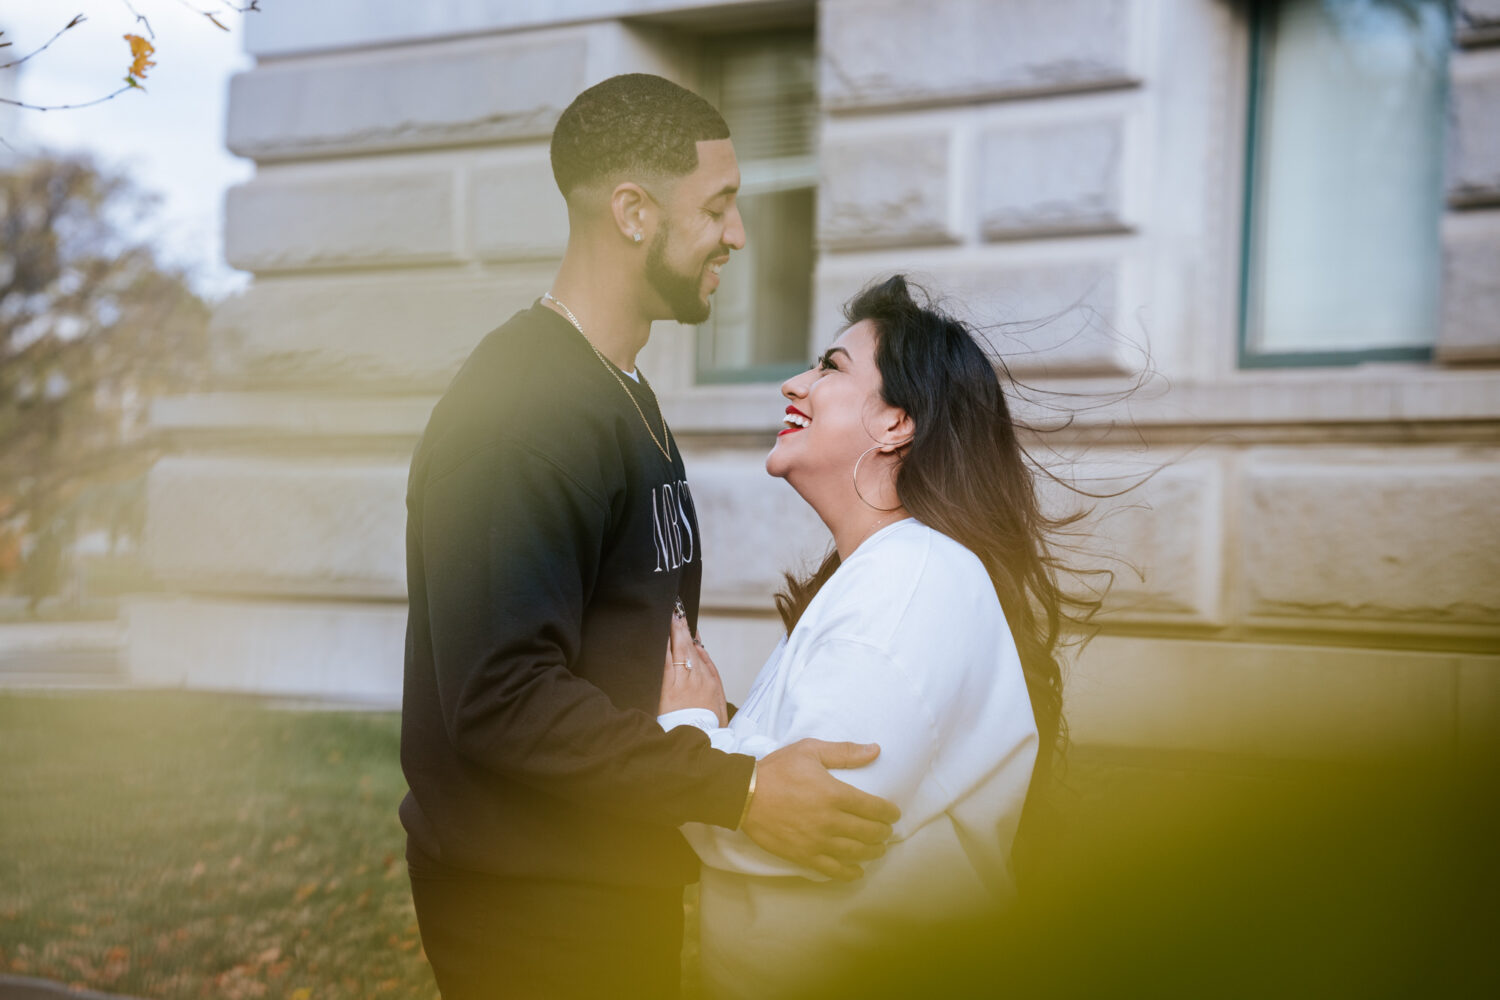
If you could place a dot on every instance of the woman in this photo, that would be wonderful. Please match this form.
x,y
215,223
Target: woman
x,y
931,629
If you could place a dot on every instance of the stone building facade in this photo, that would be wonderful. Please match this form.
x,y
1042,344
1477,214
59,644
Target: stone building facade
x,y
1315,567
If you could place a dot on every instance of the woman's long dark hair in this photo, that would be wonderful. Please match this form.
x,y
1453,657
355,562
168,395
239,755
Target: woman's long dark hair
x,y
966,475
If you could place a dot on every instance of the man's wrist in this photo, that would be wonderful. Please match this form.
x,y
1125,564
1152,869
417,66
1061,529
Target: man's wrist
x,y
749,795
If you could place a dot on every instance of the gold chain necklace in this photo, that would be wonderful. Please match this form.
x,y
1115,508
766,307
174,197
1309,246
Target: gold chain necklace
x,y
612,370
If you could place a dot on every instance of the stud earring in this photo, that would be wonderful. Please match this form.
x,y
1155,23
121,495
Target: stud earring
x,y
636,236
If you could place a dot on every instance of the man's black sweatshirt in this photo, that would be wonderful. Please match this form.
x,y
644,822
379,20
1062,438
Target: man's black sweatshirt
x,y
547,541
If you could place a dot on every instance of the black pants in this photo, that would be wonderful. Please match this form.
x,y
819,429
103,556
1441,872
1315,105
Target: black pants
x,y
491,938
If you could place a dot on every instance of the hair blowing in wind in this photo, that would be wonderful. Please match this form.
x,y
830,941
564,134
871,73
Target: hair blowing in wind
x,y
965,474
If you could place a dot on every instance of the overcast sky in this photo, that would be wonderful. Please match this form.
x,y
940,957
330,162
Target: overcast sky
x,y
169,140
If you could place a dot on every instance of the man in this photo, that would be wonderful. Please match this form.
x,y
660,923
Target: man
x,y
551,532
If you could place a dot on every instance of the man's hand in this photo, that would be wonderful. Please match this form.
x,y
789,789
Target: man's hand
x,y
804,814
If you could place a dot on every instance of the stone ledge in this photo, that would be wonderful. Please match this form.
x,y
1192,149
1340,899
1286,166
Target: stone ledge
x,y
869,59
1260,699
289,28
1473,161
280,527
1298,399
1471,287
404,330
341,651
1478,22
1053,179
1389,535
456,93
516,211
1163,539
754,527
1440,399
892,190
361,219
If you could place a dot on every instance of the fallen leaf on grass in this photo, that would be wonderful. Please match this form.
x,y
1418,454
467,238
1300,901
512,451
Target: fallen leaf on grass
x,y
300,993
305,890
116,964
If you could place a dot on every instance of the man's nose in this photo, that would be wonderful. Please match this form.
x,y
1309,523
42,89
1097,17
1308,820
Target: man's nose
x,y
734,230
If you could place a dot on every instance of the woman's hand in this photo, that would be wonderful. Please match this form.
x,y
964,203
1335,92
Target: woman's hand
x,y
689,678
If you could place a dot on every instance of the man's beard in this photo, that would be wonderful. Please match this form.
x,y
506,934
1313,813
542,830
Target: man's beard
x,y
681,292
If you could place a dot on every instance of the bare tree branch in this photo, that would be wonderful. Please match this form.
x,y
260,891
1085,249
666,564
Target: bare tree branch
x,y
252,5
140,19
77,20
71,107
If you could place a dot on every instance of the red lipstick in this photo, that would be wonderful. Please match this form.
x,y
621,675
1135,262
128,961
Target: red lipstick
x,y
790,412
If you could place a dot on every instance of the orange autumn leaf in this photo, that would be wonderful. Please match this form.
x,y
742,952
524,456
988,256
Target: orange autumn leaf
x,y
141,52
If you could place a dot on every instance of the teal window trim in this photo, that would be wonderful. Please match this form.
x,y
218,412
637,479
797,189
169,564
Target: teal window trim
x,y
1258,12
781,173
761,374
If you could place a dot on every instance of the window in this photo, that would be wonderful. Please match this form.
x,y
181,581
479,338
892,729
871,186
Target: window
x,y
765,86
1345,192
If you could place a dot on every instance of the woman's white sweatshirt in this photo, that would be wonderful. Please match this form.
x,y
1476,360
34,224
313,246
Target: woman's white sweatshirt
x,y
905,646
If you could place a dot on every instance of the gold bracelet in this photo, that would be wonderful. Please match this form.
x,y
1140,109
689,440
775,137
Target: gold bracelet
x,y
749,795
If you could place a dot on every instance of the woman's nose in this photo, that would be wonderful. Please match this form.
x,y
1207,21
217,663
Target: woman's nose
x,y
796,386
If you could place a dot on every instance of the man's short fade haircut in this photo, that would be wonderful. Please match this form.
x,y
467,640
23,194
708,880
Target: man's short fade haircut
x,y
635,124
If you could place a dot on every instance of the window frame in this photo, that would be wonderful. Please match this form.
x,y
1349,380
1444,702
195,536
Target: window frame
x,y
758,178
1247,358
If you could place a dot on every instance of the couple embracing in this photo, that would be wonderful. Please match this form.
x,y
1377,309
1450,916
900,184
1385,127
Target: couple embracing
x,y
571,759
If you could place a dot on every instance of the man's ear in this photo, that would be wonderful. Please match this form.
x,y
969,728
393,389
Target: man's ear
x,y
631,207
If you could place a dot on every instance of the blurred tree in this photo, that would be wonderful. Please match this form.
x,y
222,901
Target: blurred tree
x,y
92,328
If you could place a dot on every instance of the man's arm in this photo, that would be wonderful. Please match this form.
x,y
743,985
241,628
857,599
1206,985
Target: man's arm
x,y
799,816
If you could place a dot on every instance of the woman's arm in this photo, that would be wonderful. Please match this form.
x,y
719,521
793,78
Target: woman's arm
x,y
846,689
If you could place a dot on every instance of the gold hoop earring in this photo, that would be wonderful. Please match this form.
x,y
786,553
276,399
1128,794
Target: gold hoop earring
x,y
861,458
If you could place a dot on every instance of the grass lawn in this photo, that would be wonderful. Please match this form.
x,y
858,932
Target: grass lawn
x,y
171,845
174,846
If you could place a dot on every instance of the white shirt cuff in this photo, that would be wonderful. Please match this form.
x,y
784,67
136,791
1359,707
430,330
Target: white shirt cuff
x,y
703,718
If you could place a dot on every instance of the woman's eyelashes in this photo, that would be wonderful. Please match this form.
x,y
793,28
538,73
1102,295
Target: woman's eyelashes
x,y
825,362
